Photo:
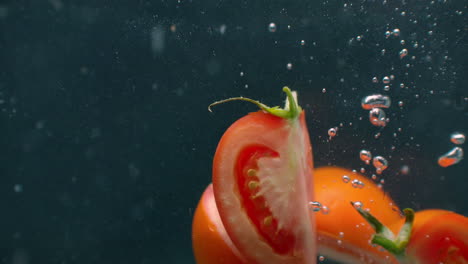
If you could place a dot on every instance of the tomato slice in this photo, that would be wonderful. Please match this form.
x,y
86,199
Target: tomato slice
x,y
262,173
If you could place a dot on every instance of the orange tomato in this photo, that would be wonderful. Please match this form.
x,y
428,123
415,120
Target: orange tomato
x,y
211,244
343,235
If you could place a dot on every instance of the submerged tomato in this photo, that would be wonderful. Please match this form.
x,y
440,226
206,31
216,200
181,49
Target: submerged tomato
x,y
211,244
343,235
261,180
438,236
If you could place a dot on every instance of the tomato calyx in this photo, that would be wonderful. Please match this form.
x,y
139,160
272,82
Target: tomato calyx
x,y
291,110
385,238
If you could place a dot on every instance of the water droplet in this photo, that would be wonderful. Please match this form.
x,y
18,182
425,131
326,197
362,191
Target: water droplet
x,y
302,42
357,205
272,27
325,210
403,53
332,132
345,178
355,183
315,206
324,90
377,117
375,101
289,66
365,155
380,162
396,32
386,88
457,138
375,80
388,34
18,188
321,258
358,38
451,158
386,80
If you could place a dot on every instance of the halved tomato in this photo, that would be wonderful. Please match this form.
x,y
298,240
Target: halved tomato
x,y
262,173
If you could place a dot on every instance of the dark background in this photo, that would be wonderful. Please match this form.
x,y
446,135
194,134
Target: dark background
x,y
106,142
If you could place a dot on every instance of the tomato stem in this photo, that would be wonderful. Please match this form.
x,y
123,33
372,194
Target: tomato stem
x,y
385,238
290,111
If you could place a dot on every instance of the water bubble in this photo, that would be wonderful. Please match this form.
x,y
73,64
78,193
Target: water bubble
x,y
315,206
18,188
355,183
241,74
386,88
341,234
388,34
396,32
377,117
375,80
402,42
289,66
430,33
415,45
345,178
302,42
357,205
272,27
362,170
365,155
403,53
382,52
404,170
324,90
332,132
321,258
451,158
325,210
380,163
457,138
375,101
358,38
386,80
403,13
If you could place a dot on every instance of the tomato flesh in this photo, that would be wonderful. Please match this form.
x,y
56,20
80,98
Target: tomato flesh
x,y
281,240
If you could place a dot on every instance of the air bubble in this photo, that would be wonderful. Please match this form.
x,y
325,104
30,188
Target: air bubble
x,y
302,42
386,80
457,138
403,53
357,205
359,38
388,34
332,132
345,178
272,27
375,80
375,101
380,163
365,155
396,32
315,206
377,117
321,258
325,210
289,66
452,157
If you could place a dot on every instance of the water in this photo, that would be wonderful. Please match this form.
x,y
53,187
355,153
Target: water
x,y
107,144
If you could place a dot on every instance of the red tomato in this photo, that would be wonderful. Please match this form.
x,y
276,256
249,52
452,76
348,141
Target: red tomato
x,y
211,244
343,235
261,180
438,236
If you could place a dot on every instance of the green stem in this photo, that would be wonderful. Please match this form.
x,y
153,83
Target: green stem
x,y
385,238
291,111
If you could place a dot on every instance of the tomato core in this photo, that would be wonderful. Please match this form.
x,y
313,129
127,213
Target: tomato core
x,y
254,203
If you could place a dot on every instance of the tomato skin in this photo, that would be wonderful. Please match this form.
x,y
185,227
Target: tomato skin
x,y
211,244
343,223
283,181
438,236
